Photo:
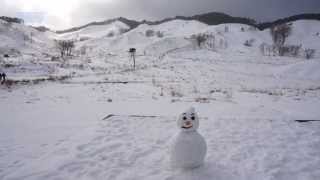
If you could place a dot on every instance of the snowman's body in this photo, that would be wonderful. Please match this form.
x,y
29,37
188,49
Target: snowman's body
x,y
188,148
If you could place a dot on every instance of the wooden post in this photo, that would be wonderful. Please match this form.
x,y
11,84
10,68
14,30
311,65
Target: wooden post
x,y
132,52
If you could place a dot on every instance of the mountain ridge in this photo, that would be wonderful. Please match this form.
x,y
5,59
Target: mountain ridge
x,y
211,18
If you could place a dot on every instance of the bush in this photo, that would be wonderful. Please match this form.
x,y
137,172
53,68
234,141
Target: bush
x,y
122,31
249,43
200,39
159,34
150,33
289,50
84,38
309,53
284,50
110,34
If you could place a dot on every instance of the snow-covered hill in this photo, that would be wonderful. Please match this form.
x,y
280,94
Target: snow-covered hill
x,y
97,31
23,39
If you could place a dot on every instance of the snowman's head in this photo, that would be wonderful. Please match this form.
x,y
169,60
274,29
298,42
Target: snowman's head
x,y
188,120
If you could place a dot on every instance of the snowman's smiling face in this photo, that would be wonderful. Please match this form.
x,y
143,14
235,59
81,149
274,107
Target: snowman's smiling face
x,y
188,121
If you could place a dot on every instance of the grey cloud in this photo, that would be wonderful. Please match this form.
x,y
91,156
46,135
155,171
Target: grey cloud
x,y
262,10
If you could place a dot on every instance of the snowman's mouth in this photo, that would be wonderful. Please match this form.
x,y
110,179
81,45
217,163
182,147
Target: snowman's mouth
x,y
187,126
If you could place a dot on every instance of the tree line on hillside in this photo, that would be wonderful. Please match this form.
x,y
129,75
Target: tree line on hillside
x,y
213,18
12,19
279,34
266,25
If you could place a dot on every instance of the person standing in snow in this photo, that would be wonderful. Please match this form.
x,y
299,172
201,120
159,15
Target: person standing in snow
x,y
3,78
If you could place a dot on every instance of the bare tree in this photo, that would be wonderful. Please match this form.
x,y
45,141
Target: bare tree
x,y
200,39
309,53
280,33
65,47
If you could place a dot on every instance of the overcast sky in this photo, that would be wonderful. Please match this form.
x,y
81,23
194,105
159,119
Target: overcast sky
x,y
61,14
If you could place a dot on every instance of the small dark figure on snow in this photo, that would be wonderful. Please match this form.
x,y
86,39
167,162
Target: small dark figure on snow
x,y
3,77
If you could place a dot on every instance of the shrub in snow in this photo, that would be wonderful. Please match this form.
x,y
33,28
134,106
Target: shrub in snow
x,y
309,53
188,148
204,40
200,39
175,93
123,30
280,33
65,47
289,50
110,34
55,58
84,38
249,43
159,34
150,33
280,50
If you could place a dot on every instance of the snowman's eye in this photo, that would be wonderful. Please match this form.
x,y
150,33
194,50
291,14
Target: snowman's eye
x,y
184,118
193,118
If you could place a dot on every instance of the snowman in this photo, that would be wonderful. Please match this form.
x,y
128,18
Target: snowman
x,y
188,147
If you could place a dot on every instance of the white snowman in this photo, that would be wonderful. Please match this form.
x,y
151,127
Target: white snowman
x,y
188,147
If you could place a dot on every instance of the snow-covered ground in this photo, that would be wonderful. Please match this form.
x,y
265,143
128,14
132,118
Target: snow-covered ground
x,y
107,121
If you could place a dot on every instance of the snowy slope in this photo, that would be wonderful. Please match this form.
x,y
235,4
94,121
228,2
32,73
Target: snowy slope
x,y
305,33
97,31
137,37
18,37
